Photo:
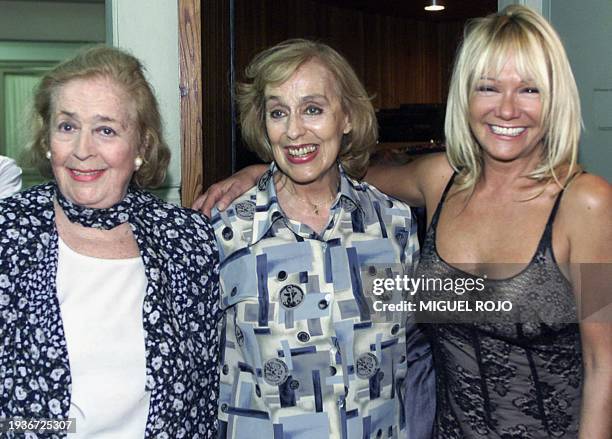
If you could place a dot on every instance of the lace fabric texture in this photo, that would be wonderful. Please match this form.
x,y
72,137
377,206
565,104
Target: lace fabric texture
x,y
519,378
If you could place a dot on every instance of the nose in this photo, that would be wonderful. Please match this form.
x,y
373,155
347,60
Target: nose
x,y
295,126
85,147
508,108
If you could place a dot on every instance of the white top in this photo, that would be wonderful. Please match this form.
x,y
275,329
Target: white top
x,y
10,177
101,306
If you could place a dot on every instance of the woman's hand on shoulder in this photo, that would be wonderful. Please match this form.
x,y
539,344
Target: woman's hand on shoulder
x,y
414,182
221,194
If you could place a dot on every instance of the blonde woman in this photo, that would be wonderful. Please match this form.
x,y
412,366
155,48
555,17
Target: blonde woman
x,y
510,195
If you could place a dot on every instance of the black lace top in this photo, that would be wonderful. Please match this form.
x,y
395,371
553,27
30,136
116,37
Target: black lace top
x,y
519,374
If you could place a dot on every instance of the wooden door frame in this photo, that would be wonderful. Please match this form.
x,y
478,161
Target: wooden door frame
x,y
190,64
206,84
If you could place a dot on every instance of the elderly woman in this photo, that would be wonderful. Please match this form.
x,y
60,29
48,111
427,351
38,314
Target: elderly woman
x,y
510,196
302,356
107,294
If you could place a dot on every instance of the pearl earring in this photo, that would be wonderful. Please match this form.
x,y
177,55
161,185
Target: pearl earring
x,y
48,155
137,163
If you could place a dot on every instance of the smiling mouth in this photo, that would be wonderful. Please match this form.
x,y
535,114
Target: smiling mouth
x,y
85,175
88,172
507,131
301,151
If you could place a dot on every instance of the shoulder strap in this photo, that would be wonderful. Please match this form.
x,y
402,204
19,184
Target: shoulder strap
x,y
434,219
546,239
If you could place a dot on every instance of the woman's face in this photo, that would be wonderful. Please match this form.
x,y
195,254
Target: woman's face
x,y
506,115
93,141
305,124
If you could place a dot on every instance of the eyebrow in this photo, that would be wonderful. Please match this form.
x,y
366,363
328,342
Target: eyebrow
x,y
303,99
312,97
101,118
97,117
69,114
488,78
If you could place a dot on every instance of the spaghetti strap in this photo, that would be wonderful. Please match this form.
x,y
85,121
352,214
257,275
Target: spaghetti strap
x,y
553,212
434,219
546,239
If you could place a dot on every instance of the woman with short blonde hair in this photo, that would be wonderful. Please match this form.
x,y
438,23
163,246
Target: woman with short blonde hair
x,y
274,66
295,314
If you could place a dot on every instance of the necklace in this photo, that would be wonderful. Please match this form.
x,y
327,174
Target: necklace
x,y
314,206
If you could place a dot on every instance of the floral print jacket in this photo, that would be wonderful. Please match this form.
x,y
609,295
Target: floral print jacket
x,y
180,314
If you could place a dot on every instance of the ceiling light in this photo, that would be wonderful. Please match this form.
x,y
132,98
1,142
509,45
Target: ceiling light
x,y
435,5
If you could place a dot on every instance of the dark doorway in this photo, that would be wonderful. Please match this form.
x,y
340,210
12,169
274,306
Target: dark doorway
x,y
402,53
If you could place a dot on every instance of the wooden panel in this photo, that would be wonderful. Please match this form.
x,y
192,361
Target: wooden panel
x,y
448,36
216,91
401,60
191,100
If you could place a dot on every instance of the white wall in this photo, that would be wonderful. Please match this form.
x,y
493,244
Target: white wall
x,y
149,30
51,21
52,52
542,6
586,31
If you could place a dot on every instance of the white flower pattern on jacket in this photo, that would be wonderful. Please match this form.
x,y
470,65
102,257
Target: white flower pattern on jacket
x,y
180,314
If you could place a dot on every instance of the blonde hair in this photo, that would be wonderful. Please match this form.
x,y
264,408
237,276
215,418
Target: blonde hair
x,y
125,71
538,54
274,66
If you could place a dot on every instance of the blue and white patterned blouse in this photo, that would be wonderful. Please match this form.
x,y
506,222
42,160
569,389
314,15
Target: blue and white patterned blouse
x,y
180,314
302,357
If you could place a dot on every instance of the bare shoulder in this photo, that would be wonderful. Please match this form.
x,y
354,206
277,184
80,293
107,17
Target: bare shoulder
x,y
411,182
434,167
586,210
434,172
589,195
